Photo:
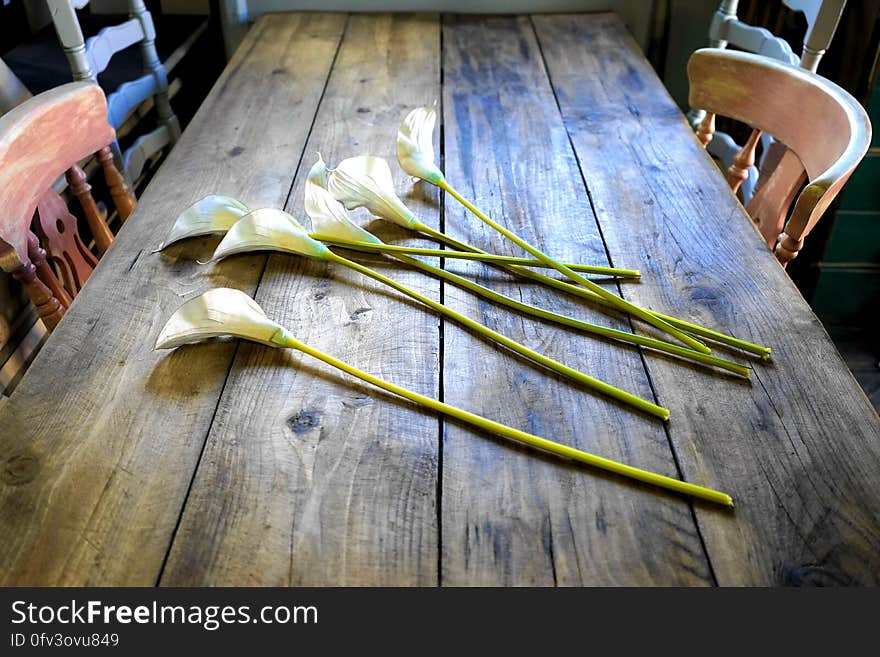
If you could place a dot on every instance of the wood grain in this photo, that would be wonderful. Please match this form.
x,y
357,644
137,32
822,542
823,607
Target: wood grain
x,y
282,471
511,517
800,449
101,438
310,477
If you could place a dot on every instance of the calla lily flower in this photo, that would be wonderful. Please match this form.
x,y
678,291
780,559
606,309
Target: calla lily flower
x,y
216,213
419,121
275,230
415,154
217,313
272,230
366,181
331,224
329,218
228,312
415,145
212,214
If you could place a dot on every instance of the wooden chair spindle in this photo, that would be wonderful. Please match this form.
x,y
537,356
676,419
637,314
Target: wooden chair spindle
x,y
123,199
743,161
79,185
37,256
48,307
706,129
787,248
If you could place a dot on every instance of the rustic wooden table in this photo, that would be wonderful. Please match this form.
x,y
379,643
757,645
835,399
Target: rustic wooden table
x,y
234,464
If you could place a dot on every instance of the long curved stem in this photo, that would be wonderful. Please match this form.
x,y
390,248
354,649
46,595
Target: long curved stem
x,y
616,301
587,327
721,338
373,247
565,370
518,436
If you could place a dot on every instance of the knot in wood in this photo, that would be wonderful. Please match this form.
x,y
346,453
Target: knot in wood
x,y
19,469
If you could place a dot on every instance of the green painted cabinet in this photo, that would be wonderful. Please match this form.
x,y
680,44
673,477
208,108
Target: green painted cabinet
x,y
849,283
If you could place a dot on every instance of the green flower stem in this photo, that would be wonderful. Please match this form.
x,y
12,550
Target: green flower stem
x,y
721,338
621,304
587,327
373,247
565,370
515,434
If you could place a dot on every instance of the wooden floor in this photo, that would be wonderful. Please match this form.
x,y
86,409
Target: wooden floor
x,y
234,464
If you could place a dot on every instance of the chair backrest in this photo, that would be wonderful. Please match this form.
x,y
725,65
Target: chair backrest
x,y
89,58
822,17
37,146
820,123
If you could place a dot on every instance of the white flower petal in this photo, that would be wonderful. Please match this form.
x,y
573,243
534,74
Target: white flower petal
x,y
366,181
220,312
268,229
329,218
212,214
415,145
318,173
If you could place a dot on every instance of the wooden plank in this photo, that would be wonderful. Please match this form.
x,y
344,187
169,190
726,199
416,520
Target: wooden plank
x,y
100,440
510,516
799,449
309,478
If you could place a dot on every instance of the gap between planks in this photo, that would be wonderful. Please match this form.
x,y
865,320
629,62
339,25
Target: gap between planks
x,y
441,382
256,290
629,320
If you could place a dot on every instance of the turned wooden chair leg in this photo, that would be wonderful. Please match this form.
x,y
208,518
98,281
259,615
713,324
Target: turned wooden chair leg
x,y
79,185
742,162
48,307
123,199
37,256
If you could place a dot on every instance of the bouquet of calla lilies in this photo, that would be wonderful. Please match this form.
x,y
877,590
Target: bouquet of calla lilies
x,y
367,182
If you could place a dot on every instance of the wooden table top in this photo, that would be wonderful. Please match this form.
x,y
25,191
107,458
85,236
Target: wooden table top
x,y
234,464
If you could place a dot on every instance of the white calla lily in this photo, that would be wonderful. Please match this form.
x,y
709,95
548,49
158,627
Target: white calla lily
x,y
415,145
228,312
269,229
366,181
417,139
329,218
218,313
212,214
318,174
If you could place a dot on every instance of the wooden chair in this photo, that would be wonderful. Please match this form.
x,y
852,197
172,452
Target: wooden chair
x,y
42,139
89,58
824,127
822,17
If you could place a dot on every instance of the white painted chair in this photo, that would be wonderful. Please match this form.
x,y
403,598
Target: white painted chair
x,y
726,29
89,58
